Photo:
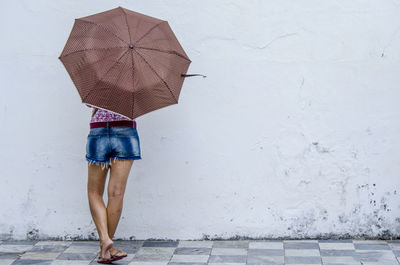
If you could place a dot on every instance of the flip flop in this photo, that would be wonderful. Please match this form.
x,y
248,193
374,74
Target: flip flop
x,y
104,260
117,257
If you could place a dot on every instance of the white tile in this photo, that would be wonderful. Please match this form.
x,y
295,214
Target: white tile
x,y
300,241
195,244
6,261
40,255
225,263
148,263
15,248
369,241
70,262
53,243
266,245
82,249
302,252
156,250
229,251
337,246
348,260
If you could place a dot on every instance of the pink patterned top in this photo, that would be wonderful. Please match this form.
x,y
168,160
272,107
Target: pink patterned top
x,y
104,115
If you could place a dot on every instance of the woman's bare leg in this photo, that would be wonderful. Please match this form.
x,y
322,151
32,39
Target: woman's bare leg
x,y
95,186
119,173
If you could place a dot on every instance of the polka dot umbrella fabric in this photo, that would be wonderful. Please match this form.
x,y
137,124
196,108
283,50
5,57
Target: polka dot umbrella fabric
x,y
124,61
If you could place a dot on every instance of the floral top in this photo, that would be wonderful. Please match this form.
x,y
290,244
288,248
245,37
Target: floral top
x,y
102,115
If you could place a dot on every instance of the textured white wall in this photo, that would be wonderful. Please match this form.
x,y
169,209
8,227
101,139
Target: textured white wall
x,y
294,133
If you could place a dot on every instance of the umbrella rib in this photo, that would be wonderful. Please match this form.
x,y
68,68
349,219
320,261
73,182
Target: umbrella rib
x,y
92,63
165,51
105,74
133,84
126,21
90,22
144,35
165,83
92,49
133,64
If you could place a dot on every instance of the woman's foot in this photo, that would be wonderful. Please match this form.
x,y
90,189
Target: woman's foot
x,y
117,254
105,255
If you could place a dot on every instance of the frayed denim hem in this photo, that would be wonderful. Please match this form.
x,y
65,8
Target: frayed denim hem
x,y
103,164
127,158
107,164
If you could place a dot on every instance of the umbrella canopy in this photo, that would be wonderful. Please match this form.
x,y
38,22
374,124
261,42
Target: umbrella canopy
x,y
125,62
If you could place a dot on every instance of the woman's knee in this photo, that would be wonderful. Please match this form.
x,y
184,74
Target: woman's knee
x,y
116,191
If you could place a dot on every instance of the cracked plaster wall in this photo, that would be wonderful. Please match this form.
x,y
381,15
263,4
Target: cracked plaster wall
x,y
294,133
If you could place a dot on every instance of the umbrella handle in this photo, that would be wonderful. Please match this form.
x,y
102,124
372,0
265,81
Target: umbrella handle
x,y
185,75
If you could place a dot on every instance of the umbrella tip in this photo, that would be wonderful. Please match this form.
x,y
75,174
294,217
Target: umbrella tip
x,y
187,75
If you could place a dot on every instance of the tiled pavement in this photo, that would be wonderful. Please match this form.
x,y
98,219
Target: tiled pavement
x,y
217,252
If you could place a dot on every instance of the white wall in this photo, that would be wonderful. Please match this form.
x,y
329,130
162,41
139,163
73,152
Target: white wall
x,y
294,133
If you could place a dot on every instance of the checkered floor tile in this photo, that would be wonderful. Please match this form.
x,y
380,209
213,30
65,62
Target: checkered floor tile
x,y
218,252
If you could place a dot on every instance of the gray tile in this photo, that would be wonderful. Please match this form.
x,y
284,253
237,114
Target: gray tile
x,y
364,241
353,263
227,258
192,251
300,241
375,255
152,257
335,241
380,246
393,241
265,263
160,243
350,260
8,255
302,252
394,246
190,258
227,263
19,242
77,256
128,246
85,243
300,245
337,252
187,263
302,260
231,244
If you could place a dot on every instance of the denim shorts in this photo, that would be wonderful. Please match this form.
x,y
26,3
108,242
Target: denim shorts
x,y
112,142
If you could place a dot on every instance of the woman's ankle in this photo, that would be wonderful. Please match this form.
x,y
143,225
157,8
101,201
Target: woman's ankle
x,y
106,241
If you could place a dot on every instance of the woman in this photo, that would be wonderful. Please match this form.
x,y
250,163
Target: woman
x,y
112,143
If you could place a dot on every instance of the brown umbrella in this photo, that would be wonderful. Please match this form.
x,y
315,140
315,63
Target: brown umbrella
x,y
125,62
